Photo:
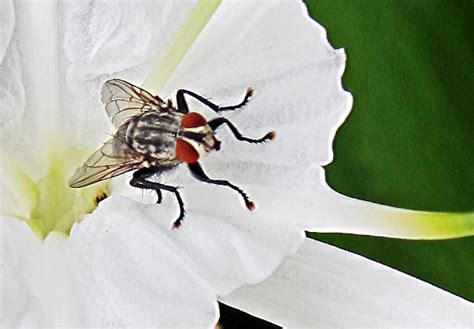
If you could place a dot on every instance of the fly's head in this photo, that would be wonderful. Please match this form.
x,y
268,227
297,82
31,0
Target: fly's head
x,y
195,138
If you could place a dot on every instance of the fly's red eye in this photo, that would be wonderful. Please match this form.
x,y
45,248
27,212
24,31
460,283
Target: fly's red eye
x,y
192,120
186,152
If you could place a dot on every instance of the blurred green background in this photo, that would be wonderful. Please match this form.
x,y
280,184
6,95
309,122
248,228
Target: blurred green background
x,y
409,140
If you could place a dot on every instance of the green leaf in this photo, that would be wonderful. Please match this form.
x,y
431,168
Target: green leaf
x,y
409,139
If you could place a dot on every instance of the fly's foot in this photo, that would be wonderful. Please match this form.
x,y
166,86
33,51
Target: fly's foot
x,y
250,92
250,205
177,224
271,135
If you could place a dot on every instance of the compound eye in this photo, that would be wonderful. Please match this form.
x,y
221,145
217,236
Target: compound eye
x,y
192,120
186,152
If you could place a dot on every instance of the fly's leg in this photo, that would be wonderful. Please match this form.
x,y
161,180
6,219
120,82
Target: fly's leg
x,y
140,180
145,186
183,106
160,196
177,222
215,123
147,173
198,173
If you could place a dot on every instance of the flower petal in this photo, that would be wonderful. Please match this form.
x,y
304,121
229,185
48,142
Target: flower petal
x,y
325,286
137,270
222,236
29,105
17,246
276,48
104,40
116,269
55,61
126,257
7,17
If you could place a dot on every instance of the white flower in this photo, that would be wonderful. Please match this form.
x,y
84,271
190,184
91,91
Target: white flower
x,y
122,265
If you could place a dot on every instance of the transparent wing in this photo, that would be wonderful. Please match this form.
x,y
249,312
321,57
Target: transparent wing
x,y
112,159
123,100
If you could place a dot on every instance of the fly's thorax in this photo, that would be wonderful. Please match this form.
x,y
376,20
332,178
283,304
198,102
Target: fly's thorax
x,y
154,134
168,137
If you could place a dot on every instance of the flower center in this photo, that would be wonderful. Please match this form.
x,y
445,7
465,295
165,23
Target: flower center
x,y
51,204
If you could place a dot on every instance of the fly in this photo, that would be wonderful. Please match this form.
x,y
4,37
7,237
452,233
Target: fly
x,y
153,136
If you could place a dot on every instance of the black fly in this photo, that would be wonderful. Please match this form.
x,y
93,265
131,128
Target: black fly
x,y
153,136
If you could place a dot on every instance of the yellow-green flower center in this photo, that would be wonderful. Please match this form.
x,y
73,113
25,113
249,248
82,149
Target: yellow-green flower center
x,y
51,204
